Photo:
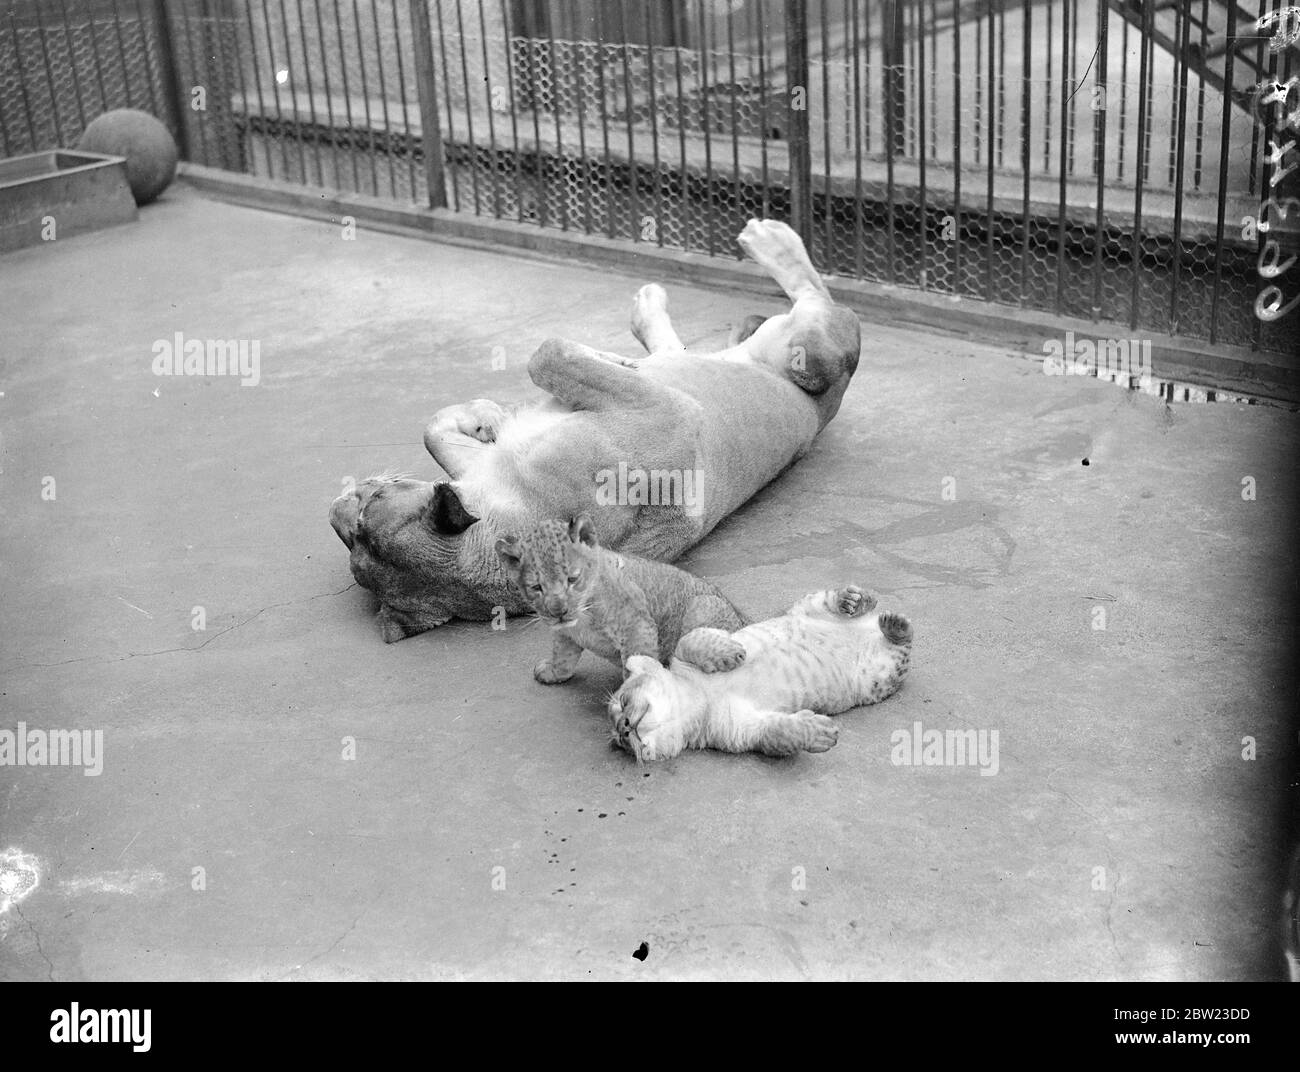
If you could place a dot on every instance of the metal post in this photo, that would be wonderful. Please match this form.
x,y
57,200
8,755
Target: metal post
x,y
171,76
796,45
427,88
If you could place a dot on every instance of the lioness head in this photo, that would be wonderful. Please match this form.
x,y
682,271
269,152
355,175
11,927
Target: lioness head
x,y
418,547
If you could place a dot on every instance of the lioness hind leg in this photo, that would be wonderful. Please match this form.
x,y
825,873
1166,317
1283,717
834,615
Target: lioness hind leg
x,y
650,323
777,248
455,435
710,650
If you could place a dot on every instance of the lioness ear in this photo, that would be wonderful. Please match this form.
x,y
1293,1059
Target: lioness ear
x,y
582,530
508,551
446,514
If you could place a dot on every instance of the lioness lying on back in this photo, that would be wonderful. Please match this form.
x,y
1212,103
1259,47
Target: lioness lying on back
x,y
615,605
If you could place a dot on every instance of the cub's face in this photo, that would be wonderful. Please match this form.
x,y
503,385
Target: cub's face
x,y
643,712
554,566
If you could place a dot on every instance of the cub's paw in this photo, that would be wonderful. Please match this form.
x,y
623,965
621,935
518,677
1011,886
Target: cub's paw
x,y
821,734
656,746
547,673
480,419
724,657
853,602
897,629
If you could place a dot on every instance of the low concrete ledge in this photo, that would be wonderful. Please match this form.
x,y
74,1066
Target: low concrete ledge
x,y
1230,369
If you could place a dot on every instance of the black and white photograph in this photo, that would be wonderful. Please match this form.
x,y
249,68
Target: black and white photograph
x,y
649,490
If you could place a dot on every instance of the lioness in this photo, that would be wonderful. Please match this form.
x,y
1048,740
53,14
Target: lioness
x,y
714,427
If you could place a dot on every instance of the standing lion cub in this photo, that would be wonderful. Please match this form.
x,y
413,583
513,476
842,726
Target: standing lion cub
x,y
615,605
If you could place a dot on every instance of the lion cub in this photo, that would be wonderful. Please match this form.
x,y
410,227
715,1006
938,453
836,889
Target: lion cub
x,y
615,605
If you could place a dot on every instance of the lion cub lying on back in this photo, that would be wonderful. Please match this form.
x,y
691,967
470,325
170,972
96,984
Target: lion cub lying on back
x,y
828,653
615,605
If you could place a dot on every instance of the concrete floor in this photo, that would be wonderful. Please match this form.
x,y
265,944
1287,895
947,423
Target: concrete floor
x,y
1120,749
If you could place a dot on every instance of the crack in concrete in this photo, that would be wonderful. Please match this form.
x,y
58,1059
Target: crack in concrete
x,y
49,964
168,651
335,944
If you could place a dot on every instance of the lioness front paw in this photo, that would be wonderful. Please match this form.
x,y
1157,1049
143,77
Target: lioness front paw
x,y
852,601
548,674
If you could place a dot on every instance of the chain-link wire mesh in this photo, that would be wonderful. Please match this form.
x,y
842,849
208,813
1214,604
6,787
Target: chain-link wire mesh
x,y
1061,155
65,62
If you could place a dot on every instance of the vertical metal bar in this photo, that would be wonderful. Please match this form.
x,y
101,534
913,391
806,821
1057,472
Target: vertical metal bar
x,y
654,127
383,96
199,77
681,140
956,147
275,91
1180,64
311,92
72,63
762,105
1224,144
143,25
796,45
1178,181
922,134
633,176
534,92
350,144
1254,126
608,166
1072,9
1002,79
1200,94
293,89
1047,107
979,80
1067,91
1267,174
995,137
584,163
487,89
710,196
863,47
169,74
329,96
224,123
1099,141
514,114
1123,96
408,147
1140,171
735,122
828,257
859,109
121,55
934,79
94,53
889,56
5,148
22,81
469,110
365,93
49,80
1026,91
426,88
559,135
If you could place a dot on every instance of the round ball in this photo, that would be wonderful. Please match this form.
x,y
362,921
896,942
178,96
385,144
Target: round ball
x,y
150,150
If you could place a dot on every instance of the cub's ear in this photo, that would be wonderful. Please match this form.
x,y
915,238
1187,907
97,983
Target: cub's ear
x,y
508,551
641,664
446,514
583,530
